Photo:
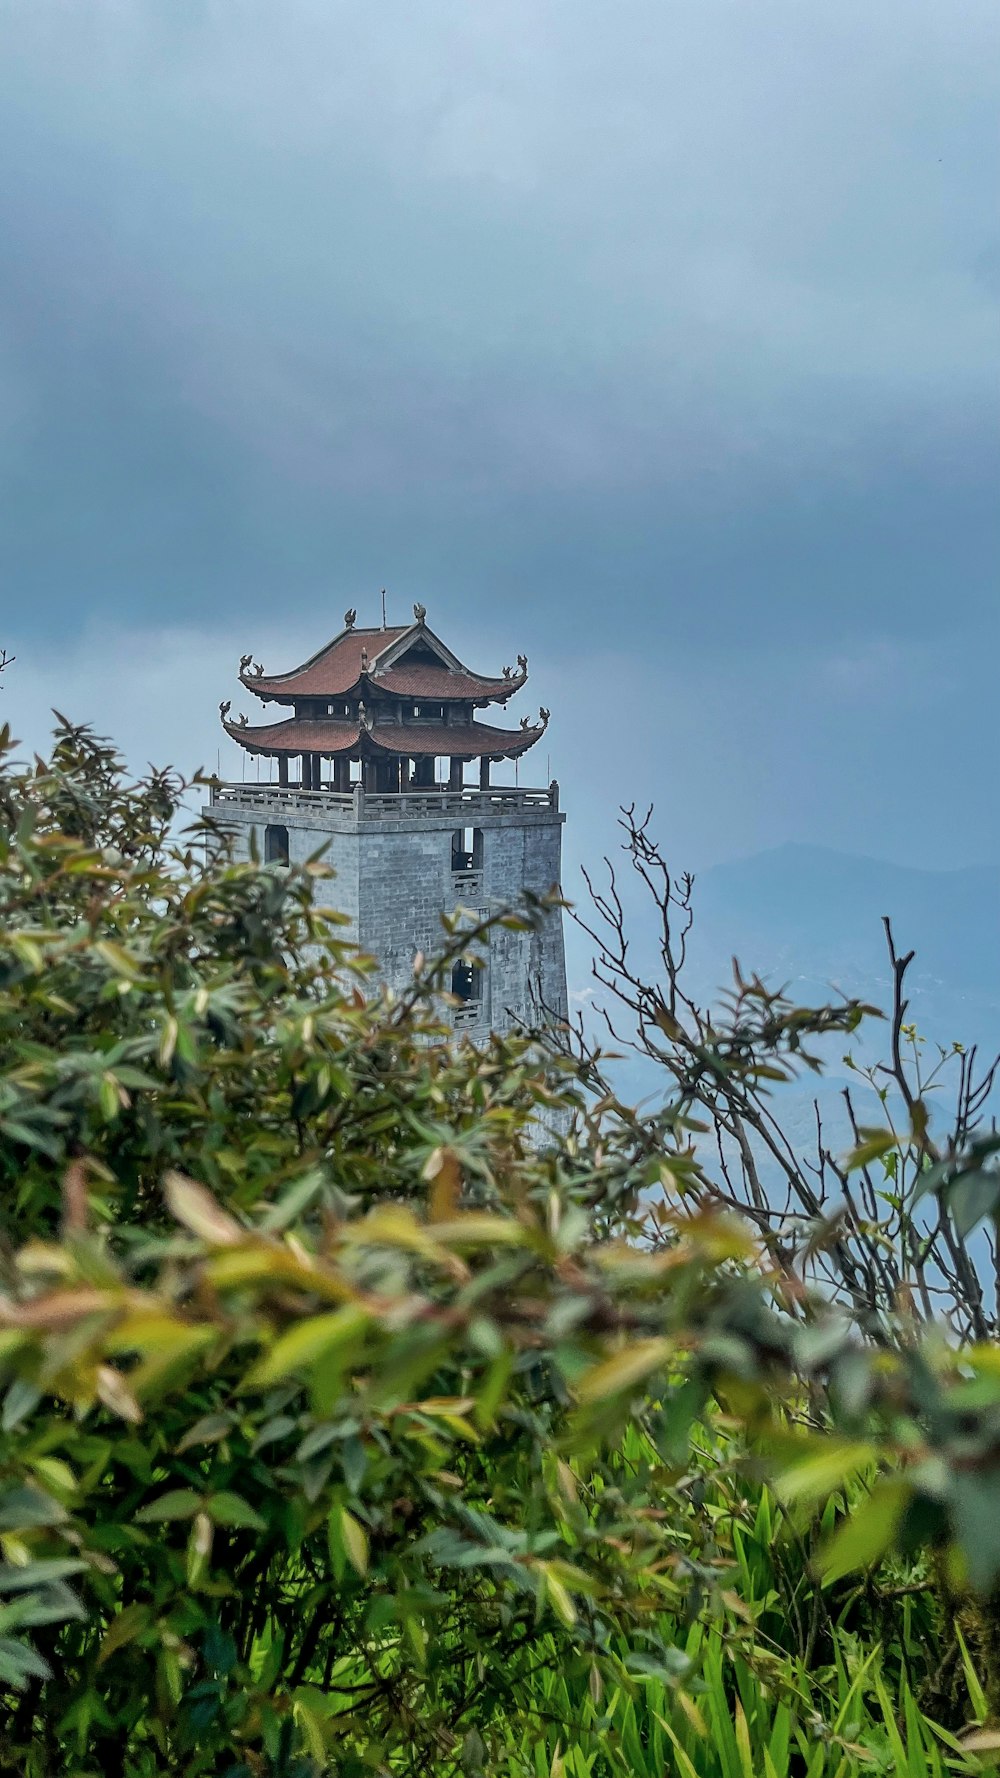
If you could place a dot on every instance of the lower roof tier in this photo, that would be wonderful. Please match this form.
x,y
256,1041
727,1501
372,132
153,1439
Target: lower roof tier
x,y
473,740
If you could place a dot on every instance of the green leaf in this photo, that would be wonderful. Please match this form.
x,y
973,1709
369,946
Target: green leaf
x,y
177,1503
14,1579
976,1516
196,1208
864,1537
631,1366
206,1431
355,1540
558,1596
21,1399
23,1508
233,1511
19,1662
874,1144
972,1198
296,1198
123,1629
306,1343
825,1467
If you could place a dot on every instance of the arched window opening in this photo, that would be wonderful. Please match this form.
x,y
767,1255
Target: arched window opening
x,y
467,849
275,845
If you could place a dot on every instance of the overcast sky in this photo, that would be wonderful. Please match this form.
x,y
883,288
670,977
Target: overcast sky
x,y
657,339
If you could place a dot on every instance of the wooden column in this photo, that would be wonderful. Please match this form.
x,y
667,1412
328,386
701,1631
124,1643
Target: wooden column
x,y
283,770
484,772
455,775
342,773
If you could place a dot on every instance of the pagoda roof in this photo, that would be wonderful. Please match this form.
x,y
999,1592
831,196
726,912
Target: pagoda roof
x,y
389,740
379,660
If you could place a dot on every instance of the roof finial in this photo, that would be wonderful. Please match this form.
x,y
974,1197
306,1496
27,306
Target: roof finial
x,y
544,714
522,661
383,608
420,612
258,671
224,708
364,720
364,660
349,617
243,720
245,660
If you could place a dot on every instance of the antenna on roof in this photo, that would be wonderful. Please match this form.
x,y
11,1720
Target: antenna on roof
x,y
383,608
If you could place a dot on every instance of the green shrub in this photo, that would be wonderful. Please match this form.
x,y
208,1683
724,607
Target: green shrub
x,y
341,1414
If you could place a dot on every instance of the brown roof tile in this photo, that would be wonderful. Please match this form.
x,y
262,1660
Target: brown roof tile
x,y
331,672
462,741
337,669
420,680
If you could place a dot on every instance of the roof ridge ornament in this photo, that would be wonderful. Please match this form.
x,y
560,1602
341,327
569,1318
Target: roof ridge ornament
x,y
544,715
364,660
349,617
522,661
420,613
245,662
224,708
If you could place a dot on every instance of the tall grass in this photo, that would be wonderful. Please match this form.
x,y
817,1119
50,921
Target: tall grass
x,y
790,1679
732,1724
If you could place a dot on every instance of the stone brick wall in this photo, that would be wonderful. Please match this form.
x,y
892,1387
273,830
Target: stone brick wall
x,y
394,880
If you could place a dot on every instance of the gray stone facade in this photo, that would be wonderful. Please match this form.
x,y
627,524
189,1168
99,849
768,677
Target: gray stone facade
x,y
403,860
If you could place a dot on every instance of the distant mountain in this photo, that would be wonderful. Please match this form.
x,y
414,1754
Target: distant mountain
x,y
812,917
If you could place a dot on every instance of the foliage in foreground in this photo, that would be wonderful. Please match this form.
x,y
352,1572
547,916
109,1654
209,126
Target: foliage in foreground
x,y
345,1421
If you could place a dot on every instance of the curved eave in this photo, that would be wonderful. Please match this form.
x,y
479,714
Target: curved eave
x,y
472,740
330,740
455,688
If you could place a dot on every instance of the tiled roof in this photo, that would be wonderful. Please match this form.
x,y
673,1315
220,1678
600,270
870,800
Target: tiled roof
x,y
292,736
331,672
418,679
339,669
469,740
463,741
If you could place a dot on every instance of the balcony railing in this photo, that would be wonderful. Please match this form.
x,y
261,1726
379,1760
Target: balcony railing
x,y
369,805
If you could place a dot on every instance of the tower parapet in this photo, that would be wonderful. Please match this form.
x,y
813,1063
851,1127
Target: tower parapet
x,y
371,715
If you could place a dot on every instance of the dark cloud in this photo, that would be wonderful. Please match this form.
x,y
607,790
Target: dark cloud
x,y
671,330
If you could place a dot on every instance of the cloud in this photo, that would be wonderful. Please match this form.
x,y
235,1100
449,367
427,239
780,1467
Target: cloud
x,y
659,341
291,292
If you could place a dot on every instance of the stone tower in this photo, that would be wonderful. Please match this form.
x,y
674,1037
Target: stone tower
x,y
372,746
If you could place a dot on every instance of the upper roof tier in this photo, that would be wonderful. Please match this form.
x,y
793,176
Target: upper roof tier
x,y
401,661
